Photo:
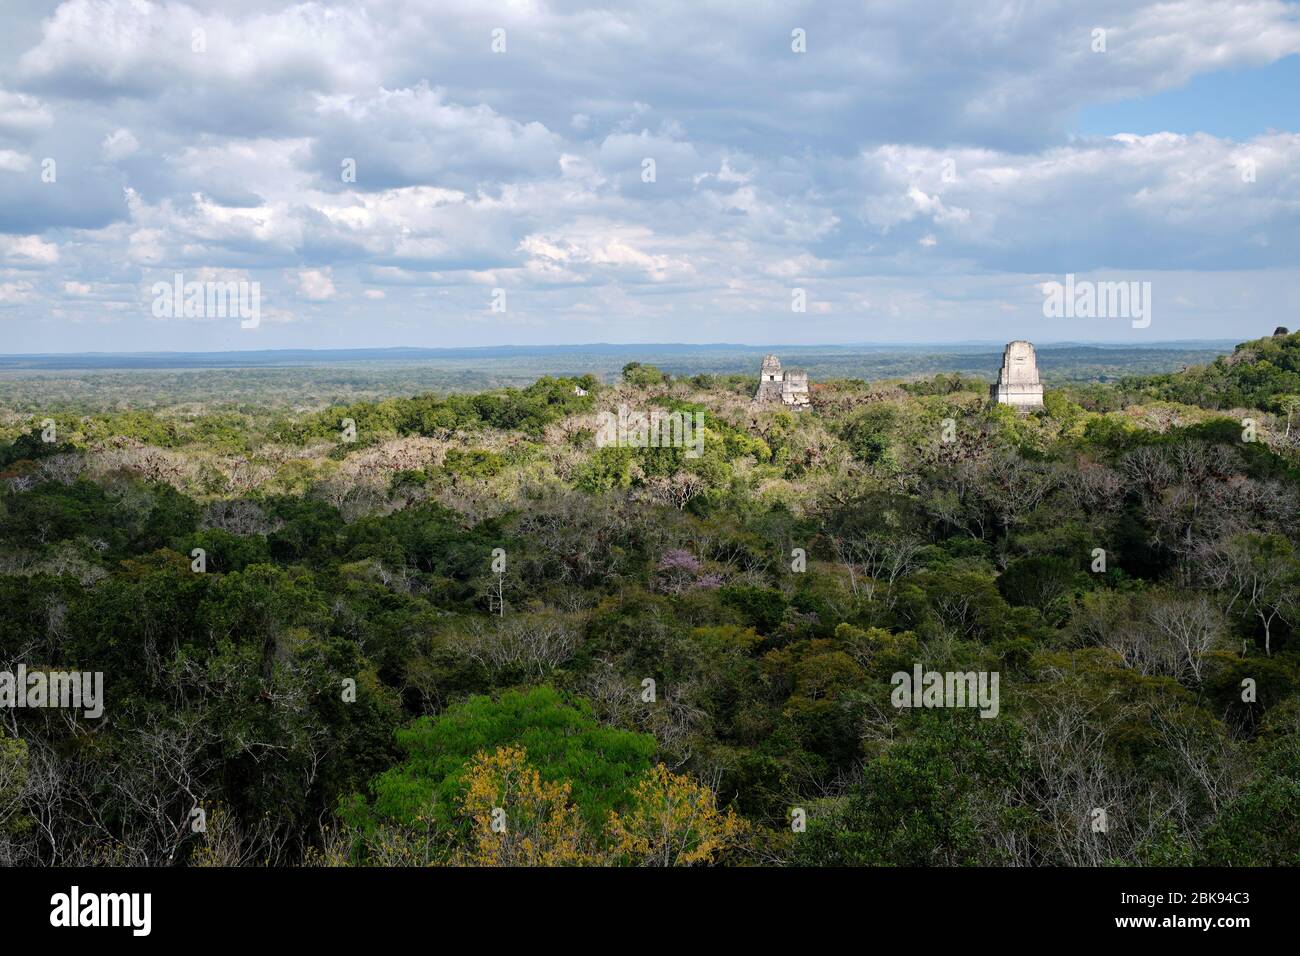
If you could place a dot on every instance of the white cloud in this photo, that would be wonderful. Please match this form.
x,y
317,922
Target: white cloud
x,y
28,250
12,162
606,249
16,293
914,146
415,135
119,144
22,115
315,284
137,46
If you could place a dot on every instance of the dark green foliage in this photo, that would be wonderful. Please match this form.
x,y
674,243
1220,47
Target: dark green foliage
x,y
760,607
475,463
1258,374
925,802
1261,827
1041,582
634,373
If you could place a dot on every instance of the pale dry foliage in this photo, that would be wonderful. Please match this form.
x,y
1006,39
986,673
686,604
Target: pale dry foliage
x,y
68,559
676,720
381,462
1197,492
1166,633
356,497
122,455
1070,780
239,517
531,645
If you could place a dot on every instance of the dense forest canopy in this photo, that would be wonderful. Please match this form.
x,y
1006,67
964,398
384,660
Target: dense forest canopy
x,y
450,629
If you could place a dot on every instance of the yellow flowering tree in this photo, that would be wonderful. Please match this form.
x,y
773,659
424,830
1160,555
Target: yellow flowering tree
x,y
517,818
673,821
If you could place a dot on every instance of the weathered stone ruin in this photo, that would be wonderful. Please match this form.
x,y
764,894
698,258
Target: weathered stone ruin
x,y
1018,382
788,386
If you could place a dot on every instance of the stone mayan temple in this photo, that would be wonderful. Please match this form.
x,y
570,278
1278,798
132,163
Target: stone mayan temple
x,y
790,387
1018,382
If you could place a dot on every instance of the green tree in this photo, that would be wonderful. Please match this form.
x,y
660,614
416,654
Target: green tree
x,y
564,743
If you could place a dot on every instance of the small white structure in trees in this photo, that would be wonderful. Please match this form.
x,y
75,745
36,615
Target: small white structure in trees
x,y
1018,382
788,386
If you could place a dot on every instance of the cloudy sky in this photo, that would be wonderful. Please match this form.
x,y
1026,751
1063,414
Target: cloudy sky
x,y
644,172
